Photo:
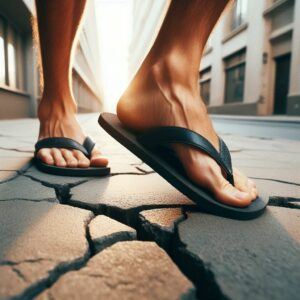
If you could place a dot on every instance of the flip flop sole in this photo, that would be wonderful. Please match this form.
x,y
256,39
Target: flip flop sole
x,y
175,176
73,172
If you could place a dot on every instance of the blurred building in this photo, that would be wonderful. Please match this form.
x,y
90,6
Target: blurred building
x,y
251,65
19,76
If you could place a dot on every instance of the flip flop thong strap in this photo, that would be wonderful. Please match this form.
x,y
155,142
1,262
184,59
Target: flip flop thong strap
x,y
89,145
164,136
66,143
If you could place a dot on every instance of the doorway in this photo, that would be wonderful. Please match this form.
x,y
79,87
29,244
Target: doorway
x,y
282,79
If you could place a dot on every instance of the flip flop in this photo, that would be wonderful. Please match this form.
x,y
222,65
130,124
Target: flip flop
x,y
60,142
152,147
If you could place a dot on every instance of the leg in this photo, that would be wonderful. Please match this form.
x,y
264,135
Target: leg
x,y
58,23
166,88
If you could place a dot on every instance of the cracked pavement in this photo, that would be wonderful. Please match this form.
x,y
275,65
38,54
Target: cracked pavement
x,y
133,236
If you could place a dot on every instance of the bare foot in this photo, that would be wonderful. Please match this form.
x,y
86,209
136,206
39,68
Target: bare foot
x,y
160,96
57,121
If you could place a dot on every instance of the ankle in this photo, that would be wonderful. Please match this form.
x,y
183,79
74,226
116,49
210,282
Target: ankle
x,y
51,107
178,84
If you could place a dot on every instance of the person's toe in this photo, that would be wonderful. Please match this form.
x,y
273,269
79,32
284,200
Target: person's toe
x,y
241,181
45,156
230,195
69,157
251,182
244,184
212,178
98,160
254,193
59,160
83,161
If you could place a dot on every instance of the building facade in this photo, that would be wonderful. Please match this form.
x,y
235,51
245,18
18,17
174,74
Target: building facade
x,y
19,76
251,64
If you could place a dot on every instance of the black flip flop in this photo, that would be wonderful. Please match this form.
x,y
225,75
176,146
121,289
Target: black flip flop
x,y
60,142
152,148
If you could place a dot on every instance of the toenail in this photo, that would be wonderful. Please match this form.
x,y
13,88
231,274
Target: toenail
x,y
241,195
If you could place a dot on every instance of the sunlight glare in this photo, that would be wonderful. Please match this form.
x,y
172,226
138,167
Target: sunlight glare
x,y
114,21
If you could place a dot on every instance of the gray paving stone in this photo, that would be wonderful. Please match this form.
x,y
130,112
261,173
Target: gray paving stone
x,y
270,163
124,194
251,143
5,175
122,157
258,259
38,240
105,232
268,160
272,189
291,175
241,160
159,225
126,270
24,188
13,143
13,153
164,218
22,129
13,163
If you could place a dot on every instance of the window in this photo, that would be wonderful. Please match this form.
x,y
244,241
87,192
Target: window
x,y
2,54
205,76
282,16
11,73
235,77
238,13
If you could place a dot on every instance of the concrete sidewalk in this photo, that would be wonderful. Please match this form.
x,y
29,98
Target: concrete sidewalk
x,y
133,236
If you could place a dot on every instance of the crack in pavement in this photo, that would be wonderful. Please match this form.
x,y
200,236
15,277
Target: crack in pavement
x,y
53,275
190,265
92,251
145,172
10,178
16,150
287,202
130,173
114,213
193,267
267,150
276,180
50,200
15,263
62,191
19,274
127,216
18,173
117,213
59,270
